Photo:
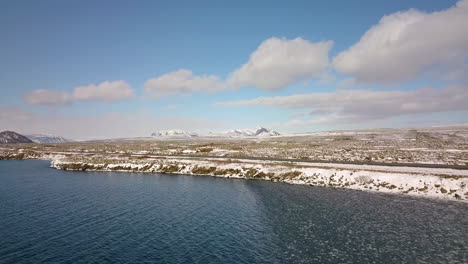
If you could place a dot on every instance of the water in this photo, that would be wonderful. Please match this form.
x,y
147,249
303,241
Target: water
x,y
52,216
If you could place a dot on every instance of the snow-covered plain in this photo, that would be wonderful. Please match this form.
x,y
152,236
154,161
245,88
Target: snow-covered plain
x,y
396,161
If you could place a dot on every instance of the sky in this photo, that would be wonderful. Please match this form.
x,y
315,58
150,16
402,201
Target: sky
x,y
109,69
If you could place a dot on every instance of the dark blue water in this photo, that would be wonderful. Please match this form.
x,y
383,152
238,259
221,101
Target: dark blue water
x,y
52,216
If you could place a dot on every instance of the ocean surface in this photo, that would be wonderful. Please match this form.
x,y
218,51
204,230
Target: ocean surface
x,y
53,216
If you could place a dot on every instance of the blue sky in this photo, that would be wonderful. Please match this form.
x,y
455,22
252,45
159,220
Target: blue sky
x,y
60,45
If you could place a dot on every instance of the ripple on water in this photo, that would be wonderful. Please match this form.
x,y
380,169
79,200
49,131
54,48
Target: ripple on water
x,y
81,217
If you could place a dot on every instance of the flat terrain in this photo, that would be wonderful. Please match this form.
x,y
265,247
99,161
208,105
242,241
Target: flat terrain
x,y
440,145
430,162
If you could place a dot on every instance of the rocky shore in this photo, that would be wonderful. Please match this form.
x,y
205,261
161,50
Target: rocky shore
x,y
443,183
436,183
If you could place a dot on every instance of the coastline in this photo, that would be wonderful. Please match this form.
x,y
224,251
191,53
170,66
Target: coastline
x,y
440,183
445,184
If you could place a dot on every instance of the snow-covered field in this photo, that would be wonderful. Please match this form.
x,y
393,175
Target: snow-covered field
x,y
392,157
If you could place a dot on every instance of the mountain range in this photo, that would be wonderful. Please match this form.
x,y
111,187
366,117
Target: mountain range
x,y
174,133
259,132
40,138
10,137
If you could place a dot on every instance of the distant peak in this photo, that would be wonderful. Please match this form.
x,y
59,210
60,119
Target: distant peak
x,y
46,138
173,133
10,137
258,132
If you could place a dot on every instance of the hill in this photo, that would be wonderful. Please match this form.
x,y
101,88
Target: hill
x,y
10,137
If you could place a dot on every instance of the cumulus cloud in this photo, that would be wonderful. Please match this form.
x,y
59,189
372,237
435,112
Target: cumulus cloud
x,y
106,91
182,82
367,104
47,97
278,63
407,44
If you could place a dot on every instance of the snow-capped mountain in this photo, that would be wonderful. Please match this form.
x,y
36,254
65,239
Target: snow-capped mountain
x,y
174,133
259,132
40,138
263,132
10,137
240,133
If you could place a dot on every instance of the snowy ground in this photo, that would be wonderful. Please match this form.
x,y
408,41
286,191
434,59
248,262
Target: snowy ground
x,y
429,182
224,157
442,145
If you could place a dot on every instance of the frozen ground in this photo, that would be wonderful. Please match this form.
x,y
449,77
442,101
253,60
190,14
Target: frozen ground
x,y
267,158
440,145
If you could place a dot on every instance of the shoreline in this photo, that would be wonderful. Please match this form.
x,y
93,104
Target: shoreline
x,y
422,181
451,185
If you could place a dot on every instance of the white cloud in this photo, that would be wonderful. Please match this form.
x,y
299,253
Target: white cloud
x,y
47,97
182,82
407,44
366,104
278,63
106,91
